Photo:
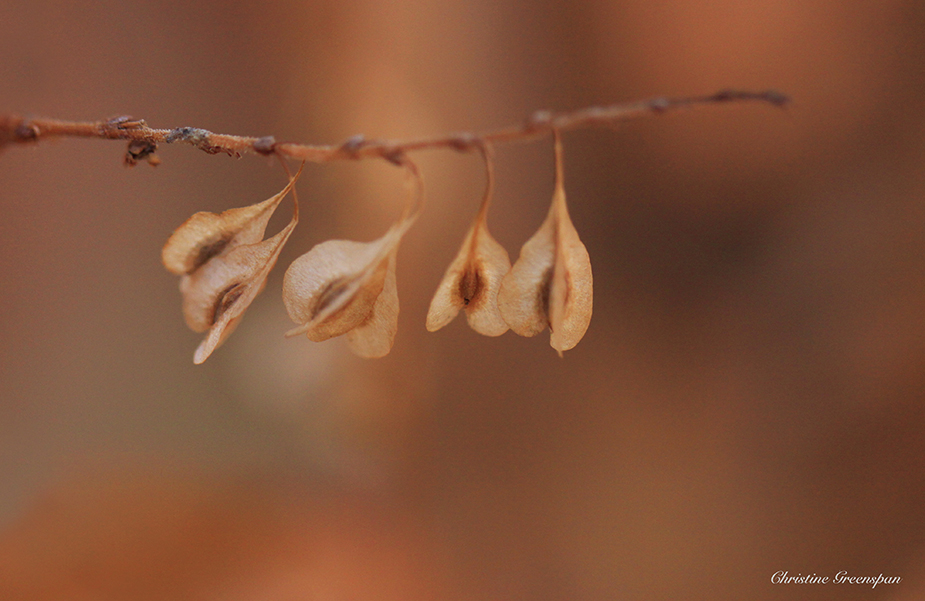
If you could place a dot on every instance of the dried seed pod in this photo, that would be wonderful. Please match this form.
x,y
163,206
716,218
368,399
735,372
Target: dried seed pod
x,y
205,235
344,287
551,282
472,280
224,263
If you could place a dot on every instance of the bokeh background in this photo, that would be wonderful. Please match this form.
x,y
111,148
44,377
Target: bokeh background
x,y
747,399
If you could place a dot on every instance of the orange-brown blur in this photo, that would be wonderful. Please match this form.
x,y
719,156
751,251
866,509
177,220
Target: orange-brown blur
x,y
748,398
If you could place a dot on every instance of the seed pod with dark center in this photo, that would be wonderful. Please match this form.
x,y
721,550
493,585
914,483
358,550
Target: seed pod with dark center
x,y
472,280
224,263
551,283
342,287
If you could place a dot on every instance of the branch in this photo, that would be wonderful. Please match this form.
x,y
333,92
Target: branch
x,y
143,140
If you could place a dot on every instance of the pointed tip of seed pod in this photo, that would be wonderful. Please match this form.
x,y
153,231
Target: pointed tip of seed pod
x,y
202,352
298,331
198,358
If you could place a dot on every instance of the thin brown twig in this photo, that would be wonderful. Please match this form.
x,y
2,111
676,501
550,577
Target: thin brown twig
x,y
143,140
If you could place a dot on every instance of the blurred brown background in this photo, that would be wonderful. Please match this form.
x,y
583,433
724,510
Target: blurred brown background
x,y
748,397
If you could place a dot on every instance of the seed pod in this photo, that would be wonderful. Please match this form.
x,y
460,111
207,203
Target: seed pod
x,y
206,235
551,282
224,263
472,280
341,287
344,287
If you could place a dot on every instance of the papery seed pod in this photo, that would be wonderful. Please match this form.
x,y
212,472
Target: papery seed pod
x,y
205,235
228,263
551,282
342,287
472,280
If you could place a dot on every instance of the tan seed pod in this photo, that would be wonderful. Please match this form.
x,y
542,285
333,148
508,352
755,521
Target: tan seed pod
x,y
551,282
228,263
345,287
472,280
205,235
342,287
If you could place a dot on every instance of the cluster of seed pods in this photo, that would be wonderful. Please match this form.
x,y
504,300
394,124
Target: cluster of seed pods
x,y
347,288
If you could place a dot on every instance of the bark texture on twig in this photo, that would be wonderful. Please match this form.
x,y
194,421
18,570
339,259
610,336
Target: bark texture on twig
x,y
143,140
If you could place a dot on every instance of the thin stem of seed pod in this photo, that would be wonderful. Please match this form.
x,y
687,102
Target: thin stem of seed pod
x,y
557,151
415,182
143,141
295,195
488,155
